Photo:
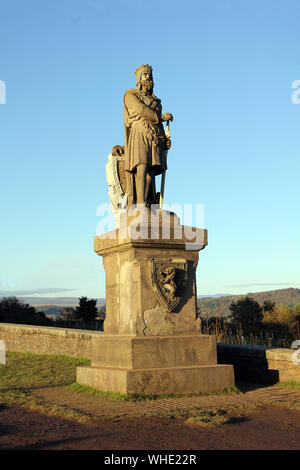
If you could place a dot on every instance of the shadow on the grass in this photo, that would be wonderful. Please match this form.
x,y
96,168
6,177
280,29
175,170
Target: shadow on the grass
x,y
238,420
245,387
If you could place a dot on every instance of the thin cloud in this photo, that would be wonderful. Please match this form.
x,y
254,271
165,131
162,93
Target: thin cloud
x,y
48,290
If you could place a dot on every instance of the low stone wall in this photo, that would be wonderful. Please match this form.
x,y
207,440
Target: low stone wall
x,y
47,340
259,364
255,364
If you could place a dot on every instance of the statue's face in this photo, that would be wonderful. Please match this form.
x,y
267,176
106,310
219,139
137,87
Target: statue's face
x,y
146,76
147,82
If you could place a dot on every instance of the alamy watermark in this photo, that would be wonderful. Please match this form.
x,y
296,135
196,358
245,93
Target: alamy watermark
x,y
183,222
2,353
296,95
2,92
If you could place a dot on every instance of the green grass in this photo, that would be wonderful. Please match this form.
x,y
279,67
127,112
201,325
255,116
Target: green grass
x,y
212,417
140,397
203,416
25,371
85,389
291,384
218,416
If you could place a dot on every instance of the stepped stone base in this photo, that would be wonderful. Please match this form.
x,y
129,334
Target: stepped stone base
x,y
168,380
156,365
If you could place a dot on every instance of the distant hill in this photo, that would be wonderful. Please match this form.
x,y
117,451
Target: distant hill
x,y
55,301
211,305
220,306
215,296
49,310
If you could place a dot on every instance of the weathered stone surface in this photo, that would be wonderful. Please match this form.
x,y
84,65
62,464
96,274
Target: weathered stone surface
x,y
158,380
280,354
156,322
153,351
47,340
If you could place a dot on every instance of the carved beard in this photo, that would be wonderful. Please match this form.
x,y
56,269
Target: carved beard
x,y
147,87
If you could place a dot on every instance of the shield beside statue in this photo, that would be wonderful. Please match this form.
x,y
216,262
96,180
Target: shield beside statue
x,y
116,178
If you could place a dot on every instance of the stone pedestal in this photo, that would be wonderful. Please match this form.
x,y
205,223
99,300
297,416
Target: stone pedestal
x,y
152,342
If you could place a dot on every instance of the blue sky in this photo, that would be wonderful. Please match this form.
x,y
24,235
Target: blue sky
x,y
223,68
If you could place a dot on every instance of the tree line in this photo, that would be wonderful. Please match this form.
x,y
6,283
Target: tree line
x,y
14,310
249,317
247,311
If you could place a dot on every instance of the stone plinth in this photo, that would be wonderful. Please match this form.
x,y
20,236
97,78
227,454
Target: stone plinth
x,y
155,365
159,381
133,302
129,352
152,342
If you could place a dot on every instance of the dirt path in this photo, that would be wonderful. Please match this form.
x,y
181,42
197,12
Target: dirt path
x,y
126,426
269,428
102,408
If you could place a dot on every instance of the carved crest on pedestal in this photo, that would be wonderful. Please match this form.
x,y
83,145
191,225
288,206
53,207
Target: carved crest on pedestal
x,y
169,279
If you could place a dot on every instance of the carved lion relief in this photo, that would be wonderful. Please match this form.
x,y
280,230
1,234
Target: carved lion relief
x,y
169,279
